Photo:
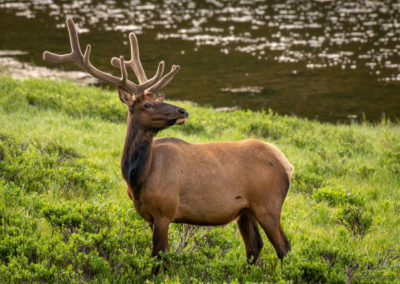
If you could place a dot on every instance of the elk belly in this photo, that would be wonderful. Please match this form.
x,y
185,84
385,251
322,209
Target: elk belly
x,y
209,212
210,201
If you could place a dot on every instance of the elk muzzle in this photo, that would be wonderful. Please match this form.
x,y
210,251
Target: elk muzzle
x,y
185,114
180,118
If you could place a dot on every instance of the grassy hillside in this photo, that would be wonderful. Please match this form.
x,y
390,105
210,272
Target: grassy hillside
x,y
65,215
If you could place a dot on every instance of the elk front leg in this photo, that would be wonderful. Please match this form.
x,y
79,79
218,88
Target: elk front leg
x,y
160,236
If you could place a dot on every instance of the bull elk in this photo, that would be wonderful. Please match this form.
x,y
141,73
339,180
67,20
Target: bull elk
x,y
172,181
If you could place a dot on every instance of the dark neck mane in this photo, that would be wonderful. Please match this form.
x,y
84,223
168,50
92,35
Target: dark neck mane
x,y
136,157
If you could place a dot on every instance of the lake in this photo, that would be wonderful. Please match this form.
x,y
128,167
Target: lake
x,y
334,61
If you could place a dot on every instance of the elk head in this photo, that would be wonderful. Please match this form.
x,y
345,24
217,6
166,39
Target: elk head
x,y
144,107
151,113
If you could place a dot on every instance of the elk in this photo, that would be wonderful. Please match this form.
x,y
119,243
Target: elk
x,y
172,181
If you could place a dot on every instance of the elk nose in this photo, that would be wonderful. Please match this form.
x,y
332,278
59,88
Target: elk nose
x,y
184,112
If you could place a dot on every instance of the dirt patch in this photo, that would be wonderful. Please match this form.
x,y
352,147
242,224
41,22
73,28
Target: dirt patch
x,y
11,66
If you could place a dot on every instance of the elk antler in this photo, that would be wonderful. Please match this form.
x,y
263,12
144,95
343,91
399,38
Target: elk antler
x,y
136,66
83,61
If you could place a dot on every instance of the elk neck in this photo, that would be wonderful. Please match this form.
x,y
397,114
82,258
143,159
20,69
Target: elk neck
x,y
137,155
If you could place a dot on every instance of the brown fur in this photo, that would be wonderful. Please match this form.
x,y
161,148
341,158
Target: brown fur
x,y
205,184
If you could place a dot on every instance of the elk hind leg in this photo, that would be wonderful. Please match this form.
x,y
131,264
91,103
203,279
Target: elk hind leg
x,y
251,236
272,227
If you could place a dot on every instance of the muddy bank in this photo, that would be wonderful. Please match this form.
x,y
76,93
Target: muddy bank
x,y
19,70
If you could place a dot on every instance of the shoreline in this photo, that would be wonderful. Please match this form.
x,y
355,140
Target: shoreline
x,y
11,66
18,70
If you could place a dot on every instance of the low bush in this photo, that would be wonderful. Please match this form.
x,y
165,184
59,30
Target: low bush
x,y
337,196
38,166
355,220
306,181
71,99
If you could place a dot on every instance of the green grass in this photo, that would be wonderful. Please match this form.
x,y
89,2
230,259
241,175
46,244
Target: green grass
x,y
65,215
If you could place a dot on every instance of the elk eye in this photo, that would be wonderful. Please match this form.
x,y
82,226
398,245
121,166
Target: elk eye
x,y
147,105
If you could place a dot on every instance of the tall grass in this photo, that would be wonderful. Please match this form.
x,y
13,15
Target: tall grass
x,y
65,215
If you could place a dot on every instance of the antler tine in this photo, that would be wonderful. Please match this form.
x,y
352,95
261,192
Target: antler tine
x,y
152,85
163,81
83,61
135,59
116,62
134,63
124,73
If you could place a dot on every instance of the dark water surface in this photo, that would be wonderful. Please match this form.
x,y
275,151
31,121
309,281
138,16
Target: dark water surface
x,y
330,60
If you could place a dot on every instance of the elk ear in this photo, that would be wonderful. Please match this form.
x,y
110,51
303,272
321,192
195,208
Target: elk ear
x,y
160,97
125,96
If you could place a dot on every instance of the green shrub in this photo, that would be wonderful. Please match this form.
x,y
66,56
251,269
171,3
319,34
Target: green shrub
x,y
305,181
86,241
267,129
191,128
390,160
313,272
38,166
364,171
355,220
338,196
350,144
71,99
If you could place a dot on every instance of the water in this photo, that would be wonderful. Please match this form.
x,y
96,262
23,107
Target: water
x,y
334,61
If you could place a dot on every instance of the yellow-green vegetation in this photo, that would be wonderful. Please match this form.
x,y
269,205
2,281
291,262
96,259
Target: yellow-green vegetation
x,y
65,215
